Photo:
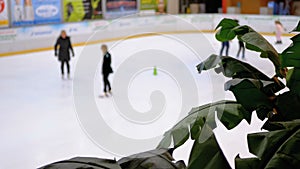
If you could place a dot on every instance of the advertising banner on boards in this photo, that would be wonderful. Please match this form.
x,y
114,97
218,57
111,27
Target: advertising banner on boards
x,y
79,10
34,12
119,8
155,6
3,13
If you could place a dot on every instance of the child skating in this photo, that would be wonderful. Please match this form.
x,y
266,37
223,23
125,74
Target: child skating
x,y
106,70
279,30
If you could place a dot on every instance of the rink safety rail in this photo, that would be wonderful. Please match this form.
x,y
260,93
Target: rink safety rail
x,y
23,40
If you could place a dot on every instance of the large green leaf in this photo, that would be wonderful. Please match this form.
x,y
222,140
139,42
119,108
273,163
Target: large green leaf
x,y
276,149
84,162
256,42
241,30
290,57
225,35
252,98
230,114
252,88
293,82
158,158
288,106
206,154
236,69
231,67
226,32
227,23
248,163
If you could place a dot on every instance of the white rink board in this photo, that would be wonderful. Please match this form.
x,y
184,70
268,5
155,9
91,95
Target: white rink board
x,y
37,37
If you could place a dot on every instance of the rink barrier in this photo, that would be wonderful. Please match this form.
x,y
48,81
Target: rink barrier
x,y
122,38
24,40
103,41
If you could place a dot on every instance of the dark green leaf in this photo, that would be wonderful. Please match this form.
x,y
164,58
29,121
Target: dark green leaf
x,y
290,125
240,71
296,38
246,163
255,41
275,126
227,24
277,149
256,49
288,106
290,57
289,77
297,29
196,128
159,158
84,162
241,30
226,33
167,141
230,114
252,98
260,43
231,67
180,136
211,62
206,154
260,142
293,80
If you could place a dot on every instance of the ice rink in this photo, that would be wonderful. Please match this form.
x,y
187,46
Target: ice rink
x,y
45,119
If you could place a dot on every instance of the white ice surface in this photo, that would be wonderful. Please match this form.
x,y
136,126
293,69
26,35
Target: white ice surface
x,y
39,124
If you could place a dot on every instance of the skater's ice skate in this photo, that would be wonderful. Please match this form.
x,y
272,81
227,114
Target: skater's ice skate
x,y
104,95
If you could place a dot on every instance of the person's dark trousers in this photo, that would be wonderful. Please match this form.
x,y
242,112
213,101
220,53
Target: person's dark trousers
x,y
106,83
241,48
224,44
63,65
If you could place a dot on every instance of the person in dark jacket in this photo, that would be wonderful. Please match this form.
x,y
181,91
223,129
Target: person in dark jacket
x,y
106,69
65,46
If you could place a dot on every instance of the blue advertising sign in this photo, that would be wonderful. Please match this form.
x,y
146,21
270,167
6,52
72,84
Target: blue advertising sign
x,y
33,12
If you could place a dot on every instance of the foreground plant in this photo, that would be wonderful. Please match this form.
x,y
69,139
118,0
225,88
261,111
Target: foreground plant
x,y
254,91
159,158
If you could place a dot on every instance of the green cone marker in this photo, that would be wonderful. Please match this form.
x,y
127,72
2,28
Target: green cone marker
x,y
155,71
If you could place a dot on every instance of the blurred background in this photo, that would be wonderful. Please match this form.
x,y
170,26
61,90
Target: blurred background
x,y
33,12
22,21
39,121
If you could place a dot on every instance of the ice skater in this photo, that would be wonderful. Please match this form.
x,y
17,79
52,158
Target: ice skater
x,y
106,70
279,30
225,45
65,46
241,48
